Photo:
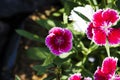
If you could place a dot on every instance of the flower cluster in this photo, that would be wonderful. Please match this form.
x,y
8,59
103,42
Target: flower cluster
x,y
78,76
107,71
59,40
99,29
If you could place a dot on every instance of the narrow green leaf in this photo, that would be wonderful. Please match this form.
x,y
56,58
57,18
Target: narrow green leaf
x,y
38,53
29,35
82,16
48,23
56,14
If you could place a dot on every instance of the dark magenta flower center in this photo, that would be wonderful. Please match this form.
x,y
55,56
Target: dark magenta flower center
x,y
59,40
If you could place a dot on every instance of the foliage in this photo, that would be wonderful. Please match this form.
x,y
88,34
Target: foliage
x,y
84,57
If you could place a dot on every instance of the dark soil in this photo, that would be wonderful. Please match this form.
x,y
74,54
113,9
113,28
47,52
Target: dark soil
x,y
23,65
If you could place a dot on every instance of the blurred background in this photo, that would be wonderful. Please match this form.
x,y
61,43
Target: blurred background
x,y
21,14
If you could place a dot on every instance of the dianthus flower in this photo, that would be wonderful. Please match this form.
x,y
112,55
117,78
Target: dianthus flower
x,y
107,71
79,23
100,28
59,40
77,76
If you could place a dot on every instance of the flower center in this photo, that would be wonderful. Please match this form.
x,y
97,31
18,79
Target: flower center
x,y
59,40
105,28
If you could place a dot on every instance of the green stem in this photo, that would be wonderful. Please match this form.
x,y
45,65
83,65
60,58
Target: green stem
x,y
107,49
58,73
65,18
58,77
104,3
95,4
84,59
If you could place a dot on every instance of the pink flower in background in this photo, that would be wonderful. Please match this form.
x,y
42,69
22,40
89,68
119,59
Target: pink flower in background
x,y
107,71
99,29
77,76
59,40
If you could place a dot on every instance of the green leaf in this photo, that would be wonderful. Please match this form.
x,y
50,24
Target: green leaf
x,y
40,69
56,14
117,3
86,72
29,35
58,61
82,16
93,47
17,77
49,60
38,53
64,77
67,65
118,52
65,55
68,6
48,23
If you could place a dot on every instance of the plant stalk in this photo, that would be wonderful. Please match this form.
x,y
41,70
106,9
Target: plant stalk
x,y
107,49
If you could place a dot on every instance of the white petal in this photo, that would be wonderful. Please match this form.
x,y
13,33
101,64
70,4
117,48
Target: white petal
x,y
80,24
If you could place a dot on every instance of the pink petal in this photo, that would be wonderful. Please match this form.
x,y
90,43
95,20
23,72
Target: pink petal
x,y
55,50
87,78
89,31
76,76
117,77
67,35
99,75
56,30
99,36
66,47
109,65
50,40
110,16
98,19
114,36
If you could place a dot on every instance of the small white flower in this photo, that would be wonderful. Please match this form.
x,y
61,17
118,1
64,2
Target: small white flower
x,y
79,23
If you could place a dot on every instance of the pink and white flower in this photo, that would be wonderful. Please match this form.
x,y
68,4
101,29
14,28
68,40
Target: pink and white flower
x,y
59,40
78,76
79,23
107,71
100,28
